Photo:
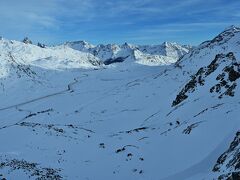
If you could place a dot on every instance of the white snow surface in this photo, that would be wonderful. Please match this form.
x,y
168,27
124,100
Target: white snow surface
x,y
63,110
152,55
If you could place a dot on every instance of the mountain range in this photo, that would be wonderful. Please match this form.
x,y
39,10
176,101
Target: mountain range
x,y
154,112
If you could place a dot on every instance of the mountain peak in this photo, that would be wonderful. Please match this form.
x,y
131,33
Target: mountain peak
x,y
232,28
82,42
79,45
221,38
169,43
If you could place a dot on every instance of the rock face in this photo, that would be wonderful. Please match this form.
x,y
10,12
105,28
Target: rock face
x,y
31,168
228,164
225,42
26,40
226,76
41,45
116,60
219,43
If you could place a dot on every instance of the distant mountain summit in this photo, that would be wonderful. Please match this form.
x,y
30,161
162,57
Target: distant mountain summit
x,y
163,54
79,45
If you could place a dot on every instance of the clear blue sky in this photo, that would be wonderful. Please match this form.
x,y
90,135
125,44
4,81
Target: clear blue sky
x,y
117,21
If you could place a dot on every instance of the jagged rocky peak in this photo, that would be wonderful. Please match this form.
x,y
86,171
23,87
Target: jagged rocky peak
x,y
174,44
226,35
79,45
109,46
26,40
232,28
222,38
225,42
128,46
175,49
165,53
169,44
169,49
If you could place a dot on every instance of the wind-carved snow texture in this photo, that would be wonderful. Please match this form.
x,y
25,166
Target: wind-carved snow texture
x,y
78,111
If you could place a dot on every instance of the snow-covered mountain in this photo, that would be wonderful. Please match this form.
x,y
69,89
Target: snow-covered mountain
x,y
50,57
163,54
65,115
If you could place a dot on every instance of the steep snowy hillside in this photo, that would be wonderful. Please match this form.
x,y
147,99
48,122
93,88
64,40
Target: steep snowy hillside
x,y
52,57
27,65
163,54
127,121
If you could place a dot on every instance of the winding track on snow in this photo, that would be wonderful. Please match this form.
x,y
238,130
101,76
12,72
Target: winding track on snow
x,y
69,89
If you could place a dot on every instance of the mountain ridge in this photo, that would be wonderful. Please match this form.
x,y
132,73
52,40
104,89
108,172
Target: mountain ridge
x,y
165,53
65,117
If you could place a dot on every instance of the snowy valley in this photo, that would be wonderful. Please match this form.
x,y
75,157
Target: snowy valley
x,y
83,112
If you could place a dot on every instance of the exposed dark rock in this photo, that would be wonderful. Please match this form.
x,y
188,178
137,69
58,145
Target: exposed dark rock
x,y
26,40
102,145
31,169
189,87
115,60
189,129
230,160
39,112
137,129
232,74
227,79
129,155
41,45
120,150
230,176
222,38
95,63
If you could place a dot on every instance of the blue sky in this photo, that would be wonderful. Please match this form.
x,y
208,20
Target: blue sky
x,y
117,21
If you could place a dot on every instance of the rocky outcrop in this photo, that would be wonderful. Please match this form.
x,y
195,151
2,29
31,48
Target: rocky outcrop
x,y
218,41
226,80
229,161
26,40
115,60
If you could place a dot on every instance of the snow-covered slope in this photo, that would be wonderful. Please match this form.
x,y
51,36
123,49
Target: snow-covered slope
x,y
163,54
128,121
59,57
28,65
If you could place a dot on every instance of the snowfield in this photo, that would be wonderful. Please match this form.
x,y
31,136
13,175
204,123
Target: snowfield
x,y
78,111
